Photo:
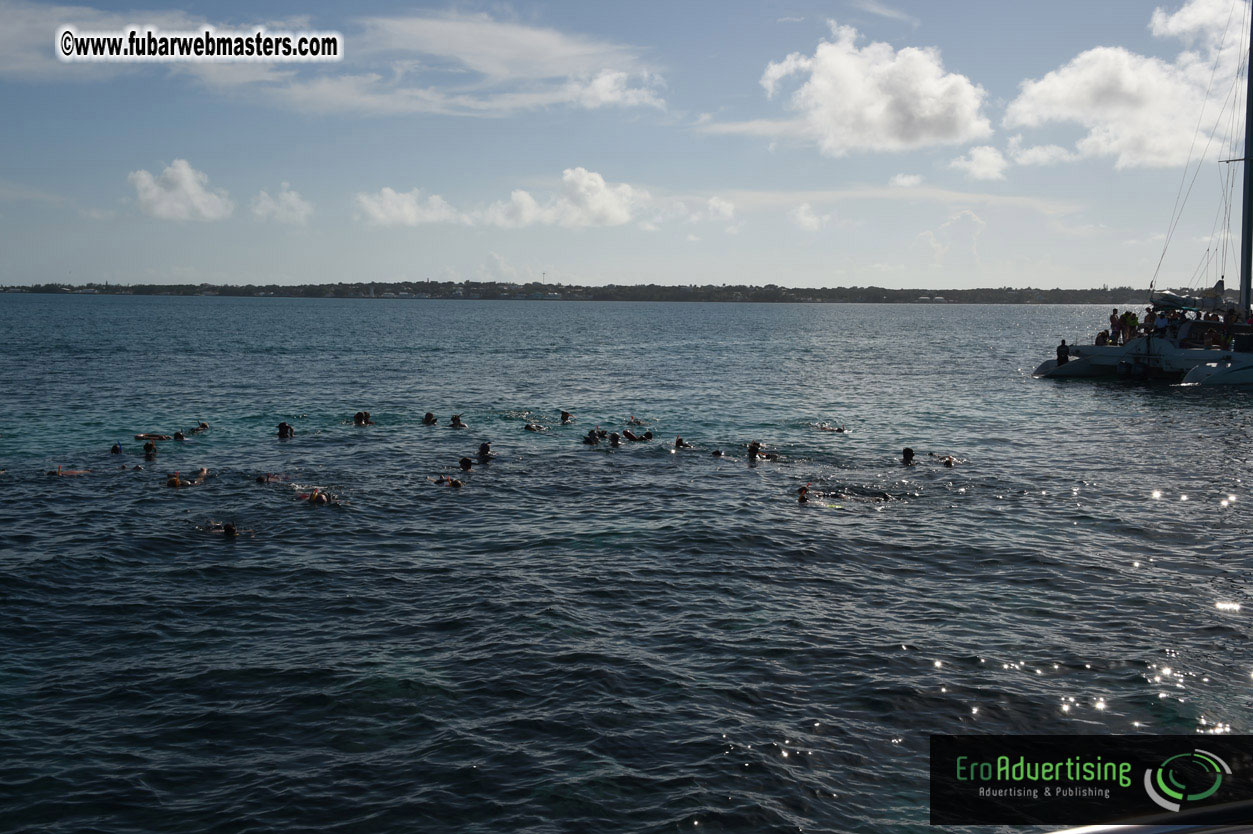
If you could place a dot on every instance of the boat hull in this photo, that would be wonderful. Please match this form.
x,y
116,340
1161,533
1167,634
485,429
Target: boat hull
x,y
1147,357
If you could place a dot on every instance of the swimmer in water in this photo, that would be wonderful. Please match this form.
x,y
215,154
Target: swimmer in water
x,y
116,450
151,436
175,481
680,443
754,450
179,436
533,427
466,464
634,421
614,439
802,495
449,480
827,427
456,422
358,419
907,456
566,417
285,431
485,452
150,450
592,438
428,419
717,453
68,473
202,474
203,426
647,436
630,435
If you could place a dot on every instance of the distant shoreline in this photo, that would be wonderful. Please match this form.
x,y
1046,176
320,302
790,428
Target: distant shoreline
x,y
490,291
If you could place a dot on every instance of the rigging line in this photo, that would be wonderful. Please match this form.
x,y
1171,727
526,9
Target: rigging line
x,y
1191,183
1176,210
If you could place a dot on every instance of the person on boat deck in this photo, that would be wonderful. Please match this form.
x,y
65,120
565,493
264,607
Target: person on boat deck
x,y
1102,338
1161,323
1115,326
1063,353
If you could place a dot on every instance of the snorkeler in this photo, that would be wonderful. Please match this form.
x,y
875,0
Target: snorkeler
x,y
717,453
202,426
456,422
485,452
428,419
285,431
592,438
630,435
116,450
634,421
566,417
151,436
680,443
907,456
827,427
614,439
150,450
802,494
466,464
449,480
68,473
533,427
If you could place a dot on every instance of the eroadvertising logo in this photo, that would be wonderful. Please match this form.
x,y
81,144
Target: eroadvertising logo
x,y
1079,780
1193,776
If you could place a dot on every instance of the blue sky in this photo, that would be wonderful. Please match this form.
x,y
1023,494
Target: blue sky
x,y
855,142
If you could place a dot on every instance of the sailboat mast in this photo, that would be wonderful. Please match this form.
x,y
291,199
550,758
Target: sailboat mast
x,y
1246,216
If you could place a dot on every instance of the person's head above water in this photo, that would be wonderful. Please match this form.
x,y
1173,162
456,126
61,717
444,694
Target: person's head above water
x,y
465,464
907,455
565,416
485,449
229,530
116,450
429,419
178,435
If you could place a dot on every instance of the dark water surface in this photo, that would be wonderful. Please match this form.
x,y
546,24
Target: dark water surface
x,y
587,639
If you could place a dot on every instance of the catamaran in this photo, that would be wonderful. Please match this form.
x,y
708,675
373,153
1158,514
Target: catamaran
x,y
1184,350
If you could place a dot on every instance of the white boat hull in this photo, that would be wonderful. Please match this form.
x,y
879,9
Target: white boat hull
x,y
1146,357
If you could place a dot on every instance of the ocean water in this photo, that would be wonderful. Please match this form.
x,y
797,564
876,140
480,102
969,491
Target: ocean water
x,y
587,639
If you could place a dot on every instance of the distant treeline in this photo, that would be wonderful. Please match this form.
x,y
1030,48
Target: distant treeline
x,y
770,293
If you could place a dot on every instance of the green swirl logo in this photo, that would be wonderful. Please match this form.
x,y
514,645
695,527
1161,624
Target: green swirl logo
x,y
1187,777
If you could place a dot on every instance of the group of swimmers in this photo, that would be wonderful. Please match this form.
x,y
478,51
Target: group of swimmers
x,y
594,437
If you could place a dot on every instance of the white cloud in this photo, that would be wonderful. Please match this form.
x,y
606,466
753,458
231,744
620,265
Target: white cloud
x,y
883,10
504,67
286,207
959,236
720,209
180,193
388,207
1141,111
871,98
982,163
584,199
1038,154
805,218
906,181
